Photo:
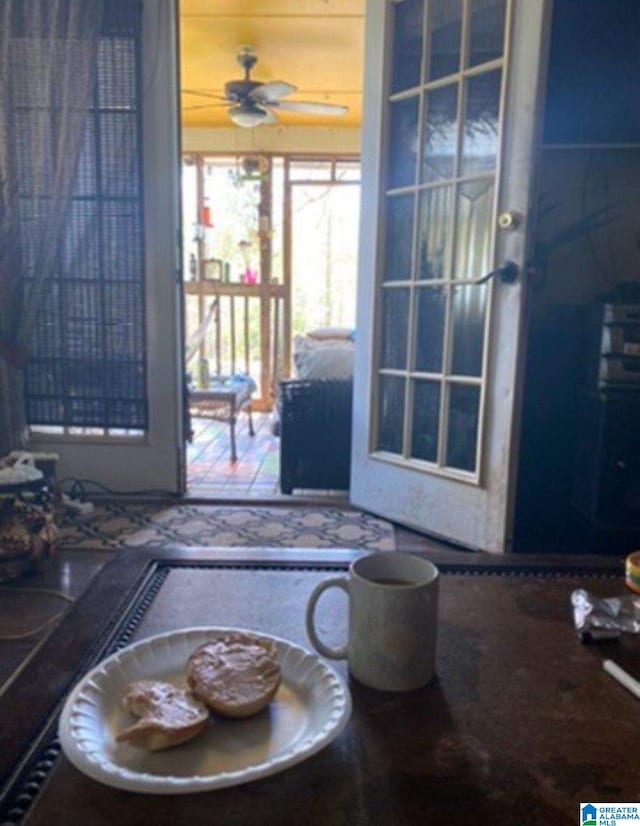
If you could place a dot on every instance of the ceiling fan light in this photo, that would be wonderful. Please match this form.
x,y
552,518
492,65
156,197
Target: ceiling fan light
x,y
247,117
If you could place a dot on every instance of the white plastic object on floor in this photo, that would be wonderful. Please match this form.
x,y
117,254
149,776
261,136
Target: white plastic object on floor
x,y
81,508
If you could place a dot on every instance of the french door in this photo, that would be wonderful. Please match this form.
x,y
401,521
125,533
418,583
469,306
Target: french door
x,y
452,89
121,395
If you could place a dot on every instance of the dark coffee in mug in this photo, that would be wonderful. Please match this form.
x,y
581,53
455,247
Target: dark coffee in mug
x,y
389,581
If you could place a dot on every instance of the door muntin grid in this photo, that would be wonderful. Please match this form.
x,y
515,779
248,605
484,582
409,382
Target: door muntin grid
x,y
440,183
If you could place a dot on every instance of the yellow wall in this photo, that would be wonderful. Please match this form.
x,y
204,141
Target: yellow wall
x,y
308,140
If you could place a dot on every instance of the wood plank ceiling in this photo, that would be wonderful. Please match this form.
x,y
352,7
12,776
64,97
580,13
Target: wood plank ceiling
x,y
316,45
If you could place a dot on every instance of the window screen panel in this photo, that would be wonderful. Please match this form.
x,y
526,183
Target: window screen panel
x,y
89,366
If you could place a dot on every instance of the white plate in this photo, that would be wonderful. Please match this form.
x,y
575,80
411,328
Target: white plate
x,y
310,709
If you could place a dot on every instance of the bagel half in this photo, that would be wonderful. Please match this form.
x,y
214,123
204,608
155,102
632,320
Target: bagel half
x,y
168,716
235,676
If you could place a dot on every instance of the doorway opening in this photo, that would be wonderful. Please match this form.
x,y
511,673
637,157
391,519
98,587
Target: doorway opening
x,y
269,256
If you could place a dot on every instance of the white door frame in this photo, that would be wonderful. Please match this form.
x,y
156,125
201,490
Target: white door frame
x,y
155,461
473,515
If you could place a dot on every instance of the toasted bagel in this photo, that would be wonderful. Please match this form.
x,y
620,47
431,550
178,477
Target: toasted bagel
x,y
168,715
236,675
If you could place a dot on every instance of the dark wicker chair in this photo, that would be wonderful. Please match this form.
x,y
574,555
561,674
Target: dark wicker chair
x,y
315,434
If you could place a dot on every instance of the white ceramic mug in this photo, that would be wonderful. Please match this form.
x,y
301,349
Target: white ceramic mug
x,y
393,617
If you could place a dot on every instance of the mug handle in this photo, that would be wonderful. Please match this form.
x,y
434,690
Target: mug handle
x,y
332,653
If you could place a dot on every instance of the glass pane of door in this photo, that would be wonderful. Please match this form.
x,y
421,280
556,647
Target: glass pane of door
x,y
404,135
391,413
426,418
462,431
444,32
431,307
486,30
481,122
399,233
408,45
442,156
440,133
434,227
395,314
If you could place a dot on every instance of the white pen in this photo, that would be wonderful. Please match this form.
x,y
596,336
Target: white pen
x,y
622,677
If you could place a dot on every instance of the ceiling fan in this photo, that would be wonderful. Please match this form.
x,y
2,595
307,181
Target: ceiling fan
x,y
252,103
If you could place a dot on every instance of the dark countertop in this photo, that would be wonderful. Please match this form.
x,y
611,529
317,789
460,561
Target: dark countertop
x,y
518,725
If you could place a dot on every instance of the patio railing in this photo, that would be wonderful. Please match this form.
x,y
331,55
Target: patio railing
x,y
245,335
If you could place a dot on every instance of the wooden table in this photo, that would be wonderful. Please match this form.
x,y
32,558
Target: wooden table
x,y
223,400
25,606
520,726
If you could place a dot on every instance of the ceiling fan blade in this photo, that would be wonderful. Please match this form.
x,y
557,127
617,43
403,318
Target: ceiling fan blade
x,y
269,116
202,94
204,106
310,108
268,92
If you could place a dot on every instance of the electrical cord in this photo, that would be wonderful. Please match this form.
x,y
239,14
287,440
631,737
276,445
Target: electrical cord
x,y
25,635
79,489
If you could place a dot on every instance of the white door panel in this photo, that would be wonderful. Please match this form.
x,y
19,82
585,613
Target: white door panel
x,y
437,369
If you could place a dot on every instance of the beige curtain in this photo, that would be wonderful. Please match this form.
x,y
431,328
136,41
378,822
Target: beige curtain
x,y
48,55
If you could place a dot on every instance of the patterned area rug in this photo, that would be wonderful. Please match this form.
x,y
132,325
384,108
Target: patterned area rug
x,y
152,525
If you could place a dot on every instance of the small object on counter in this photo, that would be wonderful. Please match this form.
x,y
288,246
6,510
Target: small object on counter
x,y
622,677
596,618
632,572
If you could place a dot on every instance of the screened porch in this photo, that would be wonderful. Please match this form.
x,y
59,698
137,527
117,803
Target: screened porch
x,y
269,253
